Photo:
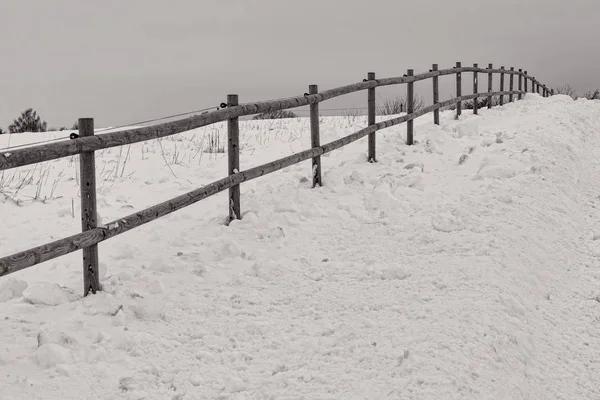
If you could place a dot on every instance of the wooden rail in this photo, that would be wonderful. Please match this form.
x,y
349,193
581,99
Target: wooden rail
x,y
87,143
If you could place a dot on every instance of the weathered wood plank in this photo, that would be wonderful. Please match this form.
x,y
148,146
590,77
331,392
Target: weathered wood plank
x,y
89,211
436,95
371,157
502,85
458,89
511,85
233,160
485,70
520,96
475,88
490,77
419,77
315,138
410,95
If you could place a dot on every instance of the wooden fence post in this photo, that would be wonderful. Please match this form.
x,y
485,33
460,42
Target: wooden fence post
x,y
525,80
475,89
371,157
410,94
233,157
520,96
89,212
315,140
436,96
489,99
511,85
458,90
502,86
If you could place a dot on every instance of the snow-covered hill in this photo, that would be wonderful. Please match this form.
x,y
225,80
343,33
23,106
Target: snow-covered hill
x,y
464,267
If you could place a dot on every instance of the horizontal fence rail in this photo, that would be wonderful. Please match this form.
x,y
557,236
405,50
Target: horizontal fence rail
x,y
52,151
85,146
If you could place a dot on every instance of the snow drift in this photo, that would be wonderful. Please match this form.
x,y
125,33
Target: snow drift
x,y
463,267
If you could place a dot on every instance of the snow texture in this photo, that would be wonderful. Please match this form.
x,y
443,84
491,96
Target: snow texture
x,y
466,266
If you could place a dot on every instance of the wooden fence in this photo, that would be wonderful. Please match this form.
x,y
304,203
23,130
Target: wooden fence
x,y
87,142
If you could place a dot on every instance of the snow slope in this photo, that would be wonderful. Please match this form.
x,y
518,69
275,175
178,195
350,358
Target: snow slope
x,y
464,267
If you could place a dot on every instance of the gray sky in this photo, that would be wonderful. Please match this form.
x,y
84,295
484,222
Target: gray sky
x,y
122,61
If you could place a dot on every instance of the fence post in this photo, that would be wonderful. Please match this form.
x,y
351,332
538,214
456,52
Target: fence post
x,y
490,67
371,119
520,96
436,96
233,157
410,94
551,92
89,212
525,80
511,84
475,89
502,86
315,140
458,90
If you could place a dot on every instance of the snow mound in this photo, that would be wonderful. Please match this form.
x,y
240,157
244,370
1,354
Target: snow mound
x,y
446,222
393,272
46,293
51,354
59,338
12,288
463,267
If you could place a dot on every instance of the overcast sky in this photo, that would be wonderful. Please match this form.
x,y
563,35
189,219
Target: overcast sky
x,y
122,61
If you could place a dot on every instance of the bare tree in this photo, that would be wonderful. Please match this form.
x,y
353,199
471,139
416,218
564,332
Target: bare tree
x,y
593,95
566,89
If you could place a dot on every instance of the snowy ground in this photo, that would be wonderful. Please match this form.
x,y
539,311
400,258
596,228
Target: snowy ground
x,y
464,267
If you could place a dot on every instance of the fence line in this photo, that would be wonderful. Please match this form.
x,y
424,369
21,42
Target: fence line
x,y
87,143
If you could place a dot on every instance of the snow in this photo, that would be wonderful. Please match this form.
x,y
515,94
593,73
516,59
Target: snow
x,y
46,293
463,267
